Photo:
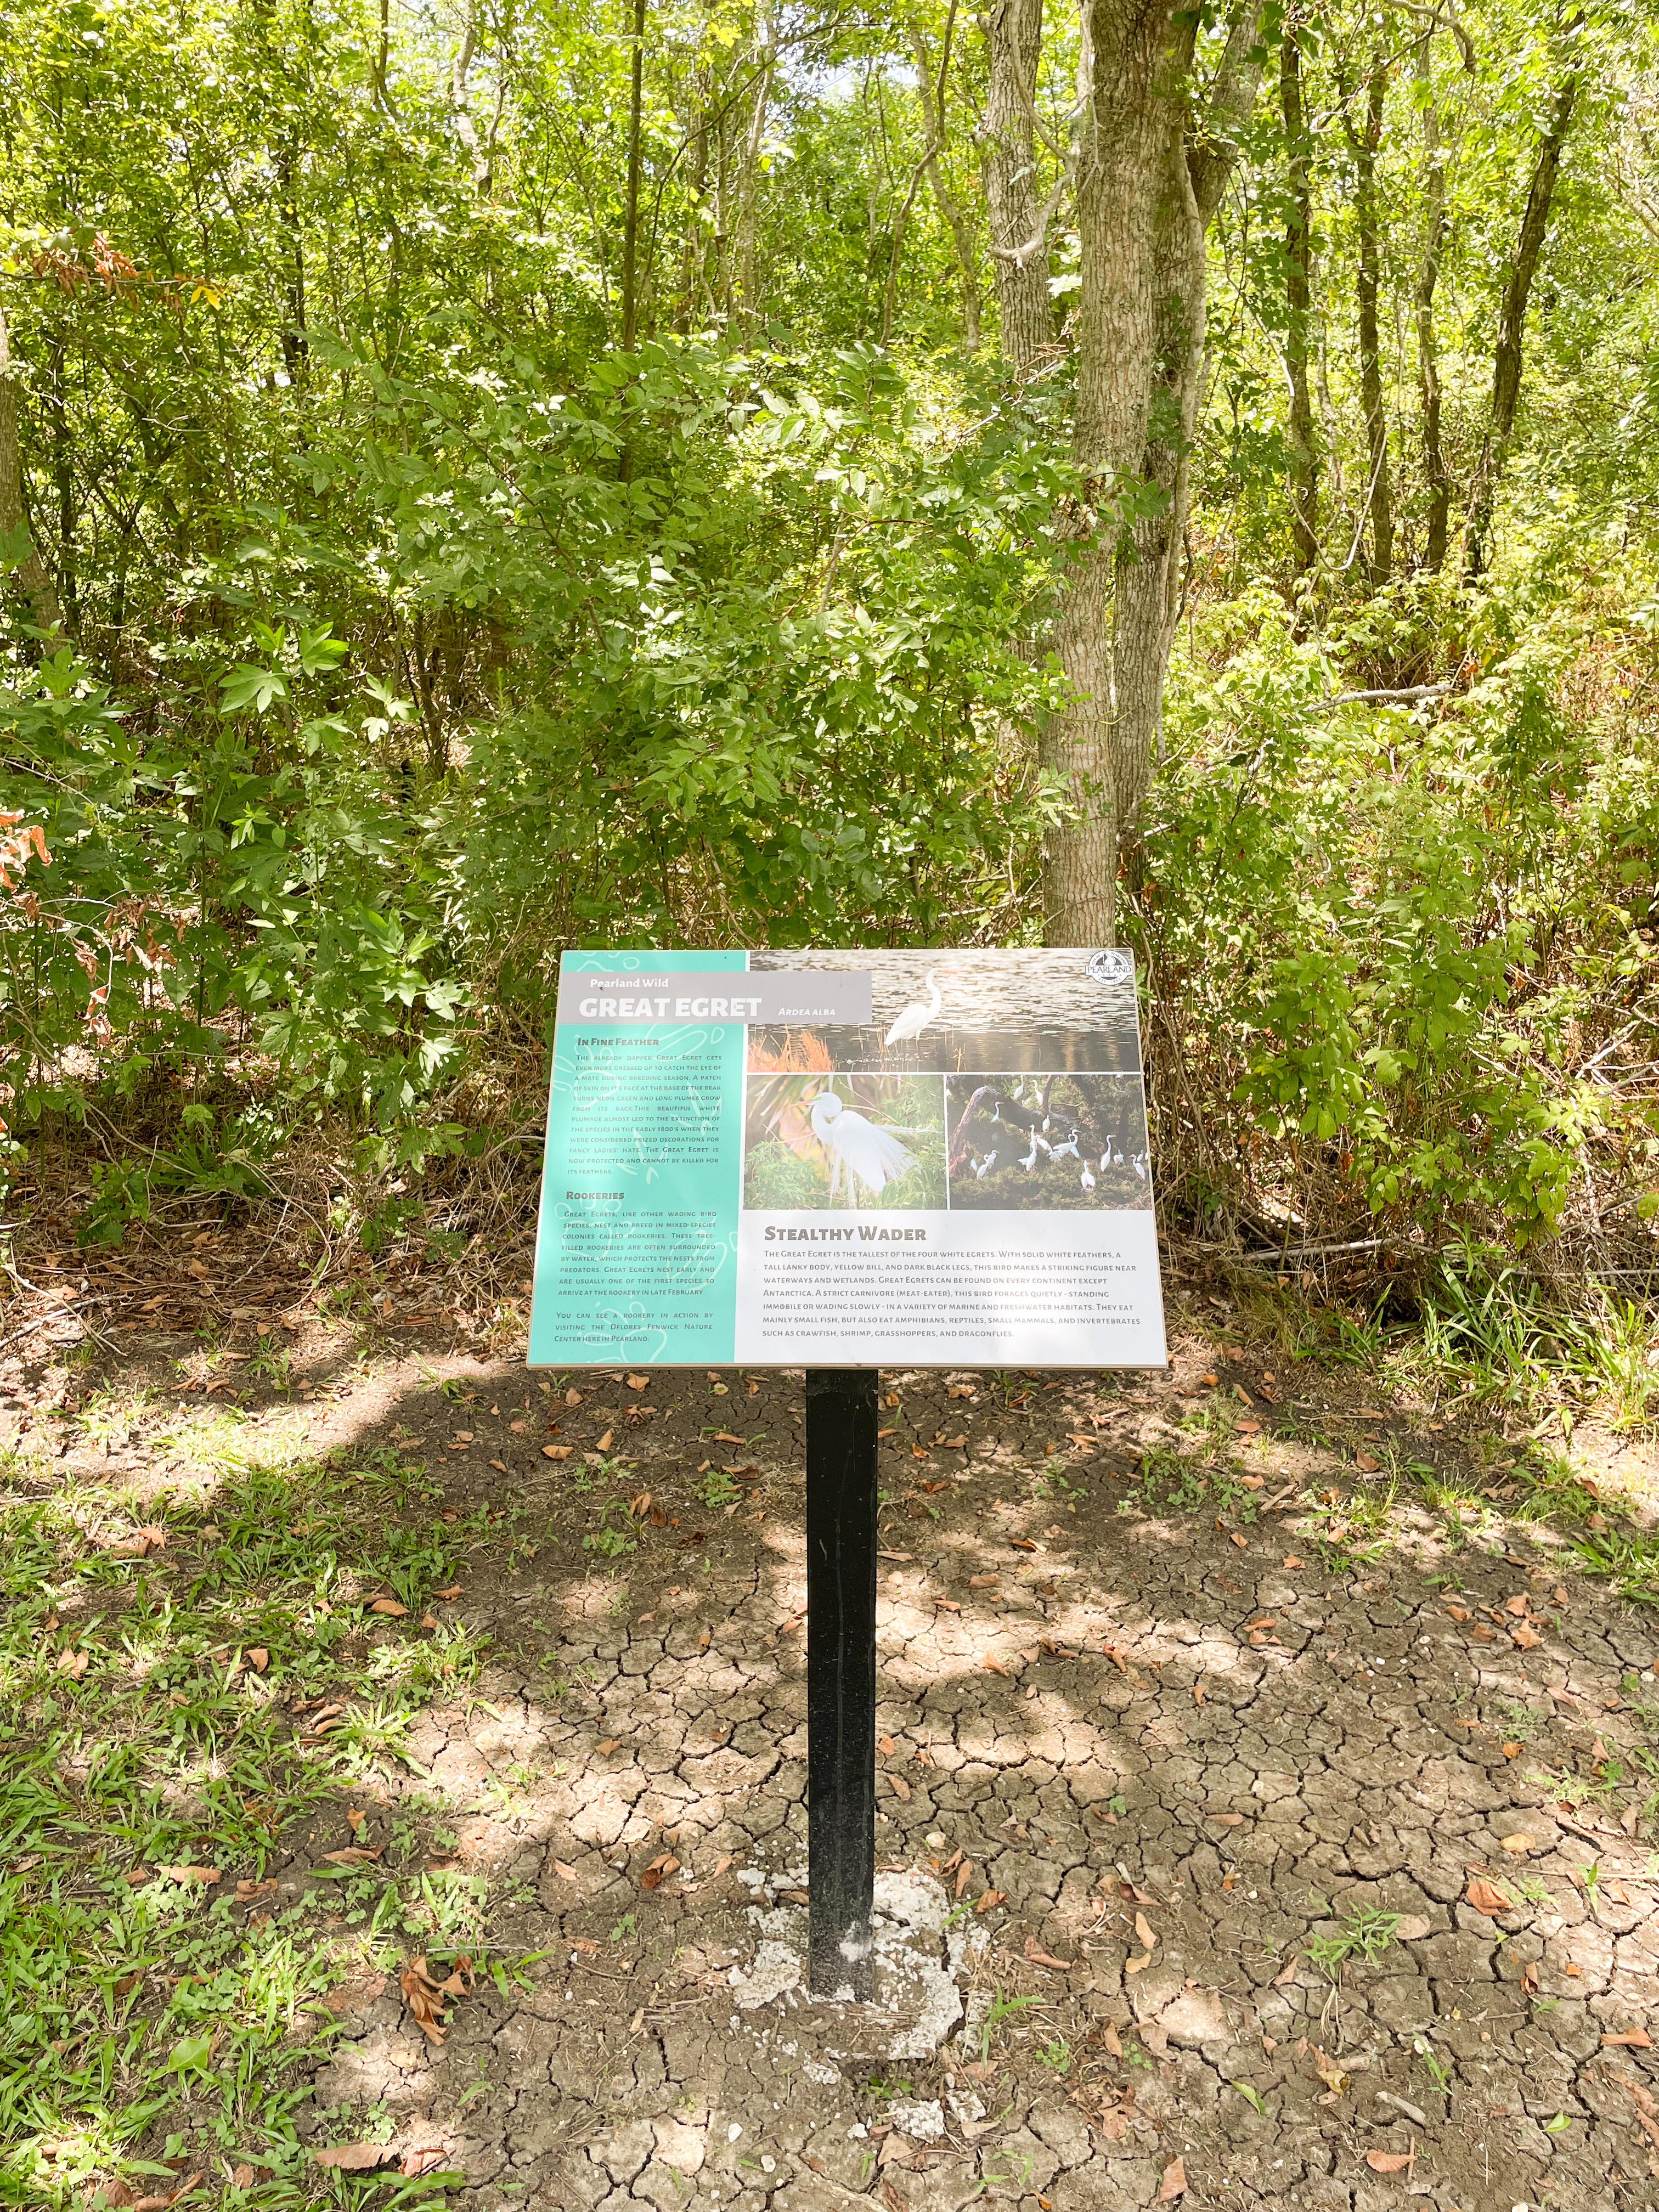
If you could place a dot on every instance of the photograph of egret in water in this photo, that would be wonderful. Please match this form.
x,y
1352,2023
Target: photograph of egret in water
x,y
1029,1007
1048,1143
826,1137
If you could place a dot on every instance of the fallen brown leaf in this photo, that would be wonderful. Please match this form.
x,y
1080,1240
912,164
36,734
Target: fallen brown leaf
x,y
1486,1897
1174,2183
1632,2038
353,1855
637,1382
585,1944
1390,2161
1366,1463
964,1874
565,1873
557,1451
188,1874
389,1606
991,1899
355,2158
1526,1638
1039,1957
994,1665
72,1663
1144,1930
420,2157
900,1787
658,1870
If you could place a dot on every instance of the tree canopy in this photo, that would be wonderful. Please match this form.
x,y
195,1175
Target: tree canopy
x,y
472,484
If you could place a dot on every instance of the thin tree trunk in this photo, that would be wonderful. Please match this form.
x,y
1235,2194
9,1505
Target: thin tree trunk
x,y
1512,321
748,175
930,98
1013,31
30,572
62,476
631,208
1298,294
695,247
1152,175
296,346
1379,495
1428,344
480,152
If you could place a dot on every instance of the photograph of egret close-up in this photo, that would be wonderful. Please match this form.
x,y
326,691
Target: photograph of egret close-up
x,y
1048,1143
827,1137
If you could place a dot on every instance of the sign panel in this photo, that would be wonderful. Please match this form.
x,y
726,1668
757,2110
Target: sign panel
x,y
847,1159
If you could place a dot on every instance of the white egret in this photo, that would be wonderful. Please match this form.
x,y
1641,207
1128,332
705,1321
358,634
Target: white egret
x,y
871,1155
1139,1163
1105,1159
915,1019
1029,1160
1087,1180
979,1166
1068,1149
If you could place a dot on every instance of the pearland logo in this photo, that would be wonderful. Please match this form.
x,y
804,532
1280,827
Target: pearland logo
x,y
1110,967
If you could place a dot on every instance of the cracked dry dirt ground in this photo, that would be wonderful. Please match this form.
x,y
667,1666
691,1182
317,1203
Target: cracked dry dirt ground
x,y
1206,1794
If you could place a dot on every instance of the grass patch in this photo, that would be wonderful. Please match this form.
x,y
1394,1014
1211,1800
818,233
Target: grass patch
x,y
166,1707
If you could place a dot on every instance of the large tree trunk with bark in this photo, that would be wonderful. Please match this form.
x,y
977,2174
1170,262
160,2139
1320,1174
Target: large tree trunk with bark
x,y
29,573
1159,155
1511,322
1299,299
1019,259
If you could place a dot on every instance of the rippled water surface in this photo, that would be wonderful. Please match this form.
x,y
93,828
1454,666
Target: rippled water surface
x,y
1019,1010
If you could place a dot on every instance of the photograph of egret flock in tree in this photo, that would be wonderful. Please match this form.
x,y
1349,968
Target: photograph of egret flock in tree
x,y
1166,496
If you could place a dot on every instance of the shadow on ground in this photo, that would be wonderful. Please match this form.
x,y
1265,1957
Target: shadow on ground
x,y
1249,1834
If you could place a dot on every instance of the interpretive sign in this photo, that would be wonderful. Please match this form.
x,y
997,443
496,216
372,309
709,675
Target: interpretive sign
x,y
847,1159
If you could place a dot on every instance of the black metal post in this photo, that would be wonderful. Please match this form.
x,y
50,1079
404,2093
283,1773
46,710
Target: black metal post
x,y
841,1676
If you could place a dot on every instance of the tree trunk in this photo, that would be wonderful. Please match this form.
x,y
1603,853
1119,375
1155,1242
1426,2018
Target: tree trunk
x,y
631,208
1506,366
1428,344
1159,155
1013,31
750,173
1298,294
930,98
30,572
62,476
1379,491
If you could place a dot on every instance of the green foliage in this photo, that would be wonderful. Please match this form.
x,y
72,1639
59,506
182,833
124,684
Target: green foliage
x,y
410,631
1363,936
